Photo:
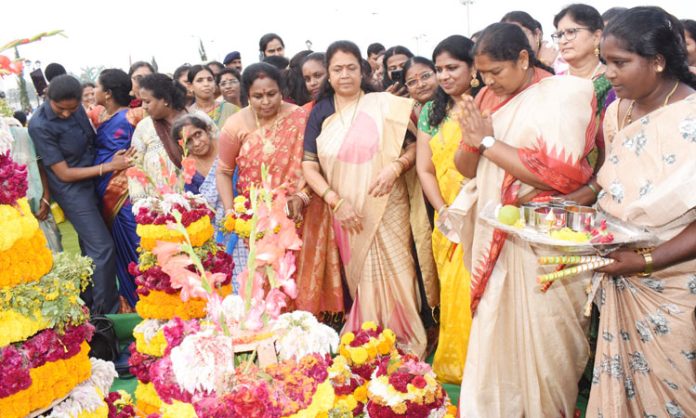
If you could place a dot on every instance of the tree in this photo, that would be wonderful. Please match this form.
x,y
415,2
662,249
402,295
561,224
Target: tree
x,y
22,85
90,74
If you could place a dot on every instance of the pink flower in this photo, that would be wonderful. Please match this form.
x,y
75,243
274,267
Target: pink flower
x,y
188,164
166,250
275,302
285,273
254,319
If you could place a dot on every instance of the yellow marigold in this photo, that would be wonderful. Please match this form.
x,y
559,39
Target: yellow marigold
x,y
347,338
389,335
360,393
148,400
322,401
229,223
384,347
155,347
199,232
178,410
399,408
343,351
358,355
346,402
15,327
52,381
369,325
240,204
101,412
242,227
26,261
161,305
451,411
16,223
371,348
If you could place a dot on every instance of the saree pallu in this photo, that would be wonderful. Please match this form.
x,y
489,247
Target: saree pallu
x,y
646,356
379,266
114,134
527,349
220,113
455,281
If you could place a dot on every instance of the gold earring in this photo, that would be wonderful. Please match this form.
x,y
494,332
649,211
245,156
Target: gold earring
x,y
474,81
596,51
660,68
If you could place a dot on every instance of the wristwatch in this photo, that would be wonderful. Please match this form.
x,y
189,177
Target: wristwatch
x,y
486,143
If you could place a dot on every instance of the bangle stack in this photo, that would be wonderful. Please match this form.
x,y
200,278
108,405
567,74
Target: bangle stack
x,y
647,255
326,192
304,196
101,169
395,170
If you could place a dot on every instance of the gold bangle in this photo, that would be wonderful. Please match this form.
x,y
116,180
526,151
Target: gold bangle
x,y
323,195
591,187
337,205
101,167
647,255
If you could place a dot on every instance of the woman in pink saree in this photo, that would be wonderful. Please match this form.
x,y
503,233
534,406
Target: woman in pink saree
x,y
528,141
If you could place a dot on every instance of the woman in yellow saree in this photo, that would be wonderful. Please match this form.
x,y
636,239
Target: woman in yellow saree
x,y
356,161
438,138
527,349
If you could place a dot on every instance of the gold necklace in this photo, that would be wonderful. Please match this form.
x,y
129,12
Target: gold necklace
x,y
355,109
627,120
268,145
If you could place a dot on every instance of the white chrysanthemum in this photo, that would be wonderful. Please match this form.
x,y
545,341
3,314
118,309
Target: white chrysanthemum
x,y
299,333
149,328
203,361
233,308
88,396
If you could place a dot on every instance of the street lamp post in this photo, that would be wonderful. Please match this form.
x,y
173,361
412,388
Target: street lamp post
x,y
467,3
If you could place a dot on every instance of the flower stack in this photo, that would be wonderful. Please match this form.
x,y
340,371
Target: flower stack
x,y
166,299
43,323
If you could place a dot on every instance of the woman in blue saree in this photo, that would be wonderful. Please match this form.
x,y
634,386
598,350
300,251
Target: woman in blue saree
x,y
114,132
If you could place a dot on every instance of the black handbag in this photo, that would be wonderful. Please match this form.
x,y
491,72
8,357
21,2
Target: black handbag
x,y
104,344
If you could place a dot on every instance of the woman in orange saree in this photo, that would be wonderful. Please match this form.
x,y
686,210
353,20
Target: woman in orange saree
x,y
354,159
527,349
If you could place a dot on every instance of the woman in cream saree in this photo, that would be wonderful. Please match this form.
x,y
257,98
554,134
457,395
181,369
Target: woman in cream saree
x,y
353,145
527,349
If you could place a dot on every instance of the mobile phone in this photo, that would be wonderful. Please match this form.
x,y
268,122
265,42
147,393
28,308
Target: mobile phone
x,y
397,77
39,81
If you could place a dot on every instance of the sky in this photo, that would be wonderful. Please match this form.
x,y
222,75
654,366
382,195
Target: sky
x,y
115,32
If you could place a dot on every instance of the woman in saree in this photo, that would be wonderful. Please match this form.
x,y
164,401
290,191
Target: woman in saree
x,y
157,152
322,295
420,82
525,138
268,133
202,81
357,160
646,359
114,133
438,139
578,31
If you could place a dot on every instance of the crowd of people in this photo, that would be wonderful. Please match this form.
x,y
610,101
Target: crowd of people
x,y
388,160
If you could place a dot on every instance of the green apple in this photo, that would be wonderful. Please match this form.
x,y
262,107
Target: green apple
x,y
509,214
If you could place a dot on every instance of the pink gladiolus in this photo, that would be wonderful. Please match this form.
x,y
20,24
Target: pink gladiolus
x,y
188,165
285,272
254,321
166,250
268,251
275,302
137,174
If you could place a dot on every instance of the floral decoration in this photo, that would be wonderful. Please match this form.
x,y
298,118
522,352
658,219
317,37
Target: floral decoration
x,y
26,261
13,180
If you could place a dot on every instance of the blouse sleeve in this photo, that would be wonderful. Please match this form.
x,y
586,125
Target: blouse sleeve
x,y
424,120
320,112
230,143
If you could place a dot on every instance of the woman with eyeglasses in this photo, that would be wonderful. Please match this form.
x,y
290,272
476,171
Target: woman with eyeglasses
x,y
579,30
420,82
646,359
230,82
358,156
202,80
438,139
525,138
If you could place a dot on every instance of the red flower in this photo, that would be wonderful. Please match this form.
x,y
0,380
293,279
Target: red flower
x,y
400,381
419,382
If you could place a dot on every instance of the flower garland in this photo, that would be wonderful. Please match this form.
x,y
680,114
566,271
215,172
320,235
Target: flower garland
x,y
161,305
16,361
17,327
51,381
86,400
200,231
16,222
13,180
54,299
26,261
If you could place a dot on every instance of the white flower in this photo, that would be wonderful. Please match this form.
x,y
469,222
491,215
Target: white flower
x,y
299,333
203,361
88,396
233,308
149,328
